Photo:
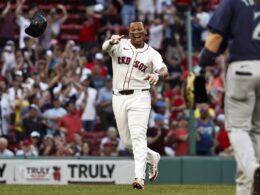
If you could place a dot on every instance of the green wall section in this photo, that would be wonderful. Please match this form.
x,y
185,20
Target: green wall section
x,y
197,170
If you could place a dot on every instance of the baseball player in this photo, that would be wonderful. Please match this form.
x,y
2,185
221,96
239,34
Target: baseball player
x,y
236,23
136,66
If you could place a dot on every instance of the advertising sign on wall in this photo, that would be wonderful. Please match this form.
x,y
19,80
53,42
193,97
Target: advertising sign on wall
x,y
66,171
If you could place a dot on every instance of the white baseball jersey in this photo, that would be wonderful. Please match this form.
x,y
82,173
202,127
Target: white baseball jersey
x,y
131,65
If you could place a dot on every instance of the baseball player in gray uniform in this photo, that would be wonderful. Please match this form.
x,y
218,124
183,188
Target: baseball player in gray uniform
x,y
238,21
136,66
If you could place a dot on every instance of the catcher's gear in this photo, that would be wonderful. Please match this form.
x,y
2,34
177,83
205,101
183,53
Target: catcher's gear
x,y
195,90
37,26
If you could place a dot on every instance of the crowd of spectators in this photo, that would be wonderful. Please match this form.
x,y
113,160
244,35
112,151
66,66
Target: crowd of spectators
x,y
56,95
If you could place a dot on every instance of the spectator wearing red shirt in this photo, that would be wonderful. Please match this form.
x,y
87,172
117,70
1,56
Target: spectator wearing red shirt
x,y
71,123
88,33
177,138
181,138
98,60
177,102
223,139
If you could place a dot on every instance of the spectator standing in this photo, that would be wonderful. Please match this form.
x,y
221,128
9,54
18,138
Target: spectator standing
x,y
23,21
180,135
224,146
156,135
88,33
146,9
16,91
5,111
7,23
127,11
34,122
104,105
156,34
8,60
53,114
98,60
205,134
177,103
71,122
89,94
56,20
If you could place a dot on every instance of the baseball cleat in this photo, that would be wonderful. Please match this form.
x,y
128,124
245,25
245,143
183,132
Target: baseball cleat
x,y
153,168
256,183
138,184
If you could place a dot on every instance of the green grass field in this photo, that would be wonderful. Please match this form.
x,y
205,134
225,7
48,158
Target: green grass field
x,y
116,190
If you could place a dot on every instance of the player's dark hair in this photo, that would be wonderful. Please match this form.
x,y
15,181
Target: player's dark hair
x,y
136,21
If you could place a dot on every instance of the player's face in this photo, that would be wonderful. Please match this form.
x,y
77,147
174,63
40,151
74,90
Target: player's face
x,y
137,33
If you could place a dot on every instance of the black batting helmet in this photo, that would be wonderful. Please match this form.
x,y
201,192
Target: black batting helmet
x,y
37,26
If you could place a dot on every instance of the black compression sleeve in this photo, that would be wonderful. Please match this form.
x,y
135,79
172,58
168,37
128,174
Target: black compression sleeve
x,y
206,58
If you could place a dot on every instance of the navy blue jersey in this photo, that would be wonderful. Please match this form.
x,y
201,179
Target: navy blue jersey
x,y
238,21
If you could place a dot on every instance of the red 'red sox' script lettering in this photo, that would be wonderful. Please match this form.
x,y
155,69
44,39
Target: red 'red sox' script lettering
x,y
137,64
123,60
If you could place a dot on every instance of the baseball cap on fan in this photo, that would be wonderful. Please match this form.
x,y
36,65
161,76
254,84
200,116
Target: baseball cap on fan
x,y
18,73
84,77
35,134
99,56
98,8
27,142
71,42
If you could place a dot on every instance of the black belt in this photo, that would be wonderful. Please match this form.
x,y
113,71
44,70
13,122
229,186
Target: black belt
x,y
130,91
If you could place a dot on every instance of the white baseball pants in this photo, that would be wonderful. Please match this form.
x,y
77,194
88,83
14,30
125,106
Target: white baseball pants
x,y
132,115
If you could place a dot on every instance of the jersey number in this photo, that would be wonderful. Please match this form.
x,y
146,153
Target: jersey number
x,y
256,32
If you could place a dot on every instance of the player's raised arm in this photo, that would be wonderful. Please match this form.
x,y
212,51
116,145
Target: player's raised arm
x,y
108,44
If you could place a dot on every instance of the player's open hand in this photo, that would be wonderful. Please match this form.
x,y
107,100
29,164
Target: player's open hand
x,y
152,78
115,39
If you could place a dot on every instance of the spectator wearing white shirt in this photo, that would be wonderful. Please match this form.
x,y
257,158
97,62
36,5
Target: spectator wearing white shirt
x,y
23,21
146,9
9,61
56,21
88,116
27,149
203,21
5,111
4,152
16,91
156,34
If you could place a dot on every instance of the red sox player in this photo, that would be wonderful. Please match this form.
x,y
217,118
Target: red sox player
x,y
136,66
